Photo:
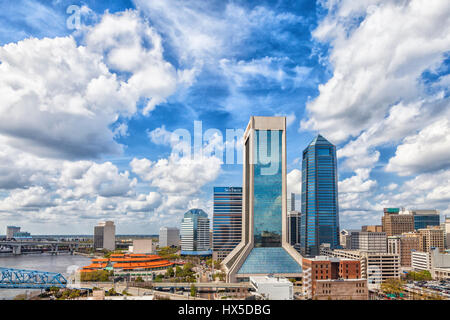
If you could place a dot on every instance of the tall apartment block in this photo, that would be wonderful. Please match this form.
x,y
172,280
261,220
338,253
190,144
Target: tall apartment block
x,y
320,212
227,220
264,248
195,237
395,223
169,237
105,236
10,231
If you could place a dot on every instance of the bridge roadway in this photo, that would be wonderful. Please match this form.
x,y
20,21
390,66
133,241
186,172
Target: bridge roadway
x,y
184,285
54,245
136,291
30,279
36,243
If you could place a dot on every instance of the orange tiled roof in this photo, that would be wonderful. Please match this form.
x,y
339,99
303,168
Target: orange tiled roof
x,y
163,263
129,261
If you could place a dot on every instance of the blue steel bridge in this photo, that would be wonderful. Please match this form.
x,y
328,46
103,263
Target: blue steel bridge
x,y
30,279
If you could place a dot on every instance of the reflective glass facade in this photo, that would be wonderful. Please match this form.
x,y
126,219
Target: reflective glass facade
x,y
267,189
269,260
227,220
264,248
423,221
320,212
293,227
195,231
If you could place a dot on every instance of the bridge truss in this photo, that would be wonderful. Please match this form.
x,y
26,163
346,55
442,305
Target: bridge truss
x,y
30,279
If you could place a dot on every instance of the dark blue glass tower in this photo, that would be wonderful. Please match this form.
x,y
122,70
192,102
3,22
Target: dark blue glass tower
x,y
425,218
227,221
320,212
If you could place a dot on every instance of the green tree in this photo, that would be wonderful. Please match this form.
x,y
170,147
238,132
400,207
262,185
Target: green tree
x,y
126,293
111,292
392,286
158,278
54,290
170,273
178,271
74,294
423,275
193,291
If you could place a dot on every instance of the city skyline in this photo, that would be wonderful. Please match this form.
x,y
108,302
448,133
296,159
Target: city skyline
x,y
90,98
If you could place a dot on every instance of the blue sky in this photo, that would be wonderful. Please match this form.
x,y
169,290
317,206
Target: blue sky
x,y
87,112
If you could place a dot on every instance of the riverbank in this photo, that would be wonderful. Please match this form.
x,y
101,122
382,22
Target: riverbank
x,y
64,263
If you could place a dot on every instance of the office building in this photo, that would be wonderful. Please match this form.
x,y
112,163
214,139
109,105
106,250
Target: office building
x,y
403,245
345,238
372,228
169,237
320,212
431,237
352,289
22,236
395,224
369,241
437,263
273,288
337,273
142,246
291,202
195,233
227,220
420,261
440,265
10,230
425,218
264,248
447,232
293,228
105,236
375,267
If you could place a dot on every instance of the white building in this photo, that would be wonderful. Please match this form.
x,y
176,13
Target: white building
x,y
375,267
141,246
420,261
273,288
10,230
437,263
345,238
447,232
105,236
169,236
375,242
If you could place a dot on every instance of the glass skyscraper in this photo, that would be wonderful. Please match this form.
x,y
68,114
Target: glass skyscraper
x,y
425,218
264,248
227,220
195,233
320,211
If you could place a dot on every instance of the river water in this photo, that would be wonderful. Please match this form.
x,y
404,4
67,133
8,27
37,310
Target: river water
x,y
64,264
